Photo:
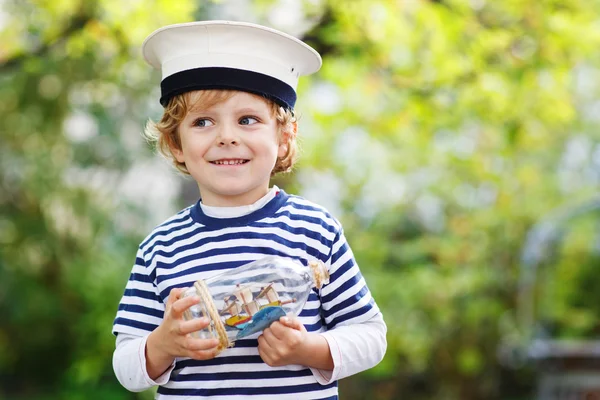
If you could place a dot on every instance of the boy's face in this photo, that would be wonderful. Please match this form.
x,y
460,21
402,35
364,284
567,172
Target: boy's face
x,y
230,149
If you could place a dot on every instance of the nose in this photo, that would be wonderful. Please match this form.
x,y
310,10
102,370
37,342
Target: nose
x,y
227,136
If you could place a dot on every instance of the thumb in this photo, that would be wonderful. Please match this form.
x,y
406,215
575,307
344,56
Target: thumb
x,y
291,322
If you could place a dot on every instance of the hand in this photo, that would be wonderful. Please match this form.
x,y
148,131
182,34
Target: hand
x,y
172,337
283,342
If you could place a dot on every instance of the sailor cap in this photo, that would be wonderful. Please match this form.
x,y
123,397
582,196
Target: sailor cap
x,y
229,55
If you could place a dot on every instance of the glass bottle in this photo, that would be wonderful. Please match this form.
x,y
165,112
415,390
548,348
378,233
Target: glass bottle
x,y
245,300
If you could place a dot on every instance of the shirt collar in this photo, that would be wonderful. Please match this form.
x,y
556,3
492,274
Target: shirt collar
x,y
240,211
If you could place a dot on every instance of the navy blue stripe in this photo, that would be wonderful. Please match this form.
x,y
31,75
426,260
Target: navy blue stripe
x,y
305,218
246,343
219,361
210,267
341,270
300,204
349,302
163,241
143,294
308,223
265,251
219,223
318,220
134,308
345,286
222,266
311,312
339,253
241,375
314,327
184,215
350,315
290,389
135,324
142,277
137,277
205,78
315,235
234,236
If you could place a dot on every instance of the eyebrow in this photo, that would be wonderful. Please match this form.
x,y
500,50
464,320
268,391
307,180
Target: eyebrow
x,y
196,111
250,110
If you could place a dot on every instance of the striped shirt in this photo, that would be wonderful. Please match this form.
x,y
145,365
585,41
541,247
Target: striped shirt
x,y
192,245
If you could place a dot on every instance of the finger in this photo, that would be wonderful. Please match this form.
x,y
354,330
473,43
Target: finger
x,y
181,305
264,348
203,354
268,353
174,295
283,331
270,338
277,330
263,352
291,322
193,325
196,345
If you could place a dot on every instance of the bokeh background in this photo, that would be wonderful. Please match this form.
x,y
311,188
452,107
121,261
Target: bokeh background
x,y
458,141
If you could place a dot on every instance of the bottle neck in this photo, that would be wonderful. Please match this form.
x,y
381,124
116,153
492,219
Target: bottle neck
x,y
320,274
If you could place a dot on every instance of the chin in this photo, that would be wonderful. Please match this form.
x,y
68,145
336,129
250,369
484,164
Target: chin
x,y
232,191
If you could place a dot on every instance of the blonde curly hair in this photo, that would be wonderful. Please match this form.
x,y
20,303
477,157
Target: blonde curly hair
x,y
164,134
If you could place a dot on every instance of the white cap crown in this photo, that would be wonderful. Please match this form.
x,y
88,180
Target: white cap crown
x,y
229,55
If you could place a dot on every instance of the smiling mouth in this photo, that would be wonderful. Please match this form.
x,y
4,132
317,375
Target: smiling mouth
x,y
230,162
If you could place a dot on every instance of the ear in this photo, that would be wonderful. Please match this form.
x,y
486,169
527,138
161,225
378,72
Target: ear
x,y
286,136
283,149
178,154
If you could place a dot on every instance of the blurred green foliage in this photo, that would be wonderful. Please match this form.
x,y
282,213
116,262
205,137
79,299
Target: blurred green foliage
x,y
439,132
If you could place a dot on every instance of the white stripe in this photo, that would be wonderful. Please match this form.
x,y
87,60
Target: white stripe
x,y
141,301
308,213
210,245
129,330
251,367
243,383
300,223
238,242
141,317
363,301
183,219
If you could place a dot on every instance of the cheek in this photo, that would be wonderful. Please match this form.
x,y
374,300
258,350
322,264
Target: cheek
x,y
193,148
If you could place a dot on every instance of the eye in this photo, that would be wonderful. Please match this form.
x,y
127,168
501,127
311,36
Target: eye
x,y
203,123
248,121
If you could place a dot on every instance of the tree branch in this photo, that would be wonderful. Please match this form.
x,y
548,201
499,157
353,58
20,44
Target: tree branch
x,y
76,24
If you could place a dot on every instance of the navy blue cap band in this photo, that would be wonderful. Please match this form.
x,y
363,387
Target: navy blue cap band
x,y
227,78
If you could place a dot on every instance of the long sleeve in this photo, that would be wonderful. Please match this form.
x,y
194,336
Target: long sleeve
x,y
140,311
356,331
129,364
141,308
354,349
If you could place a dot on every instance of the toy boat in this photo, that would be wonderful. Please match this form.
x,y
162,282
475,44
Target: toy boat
x,y
242,306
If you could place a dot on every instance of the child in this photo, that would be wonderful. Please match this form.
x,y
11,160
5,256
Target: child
x,y
228,90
